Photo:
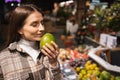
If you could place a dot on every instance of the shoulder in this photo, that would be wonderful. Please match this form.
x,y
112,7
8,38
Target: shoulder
x,y
4,52
68,22
76,25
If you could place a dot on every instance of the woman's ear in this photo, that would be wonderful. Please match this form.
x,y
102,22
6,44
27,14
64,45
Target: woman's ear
x,y
20,31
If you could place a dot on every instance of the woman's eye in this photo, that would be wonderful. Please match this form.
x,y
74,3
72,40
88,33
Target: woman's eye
x,y
35,24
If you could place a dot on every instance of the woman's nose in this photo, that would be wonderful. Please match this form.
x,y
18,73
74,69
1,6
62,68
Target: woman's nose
x,y
41,27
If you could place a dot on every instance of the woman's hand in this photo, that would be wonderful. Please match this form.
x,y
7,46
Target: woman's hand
x,y
52,52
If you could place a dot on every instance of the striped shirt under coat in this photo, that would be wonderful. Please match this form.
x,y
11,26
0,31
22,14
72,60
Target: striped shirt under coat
x,y
18,65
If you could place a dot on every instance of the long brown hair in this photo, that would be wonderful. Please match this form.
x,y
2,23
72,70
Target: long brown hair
x,y
17,20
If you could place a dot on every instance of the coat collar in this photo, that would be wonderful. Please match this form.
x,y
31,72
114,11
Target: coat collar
x,y
14,46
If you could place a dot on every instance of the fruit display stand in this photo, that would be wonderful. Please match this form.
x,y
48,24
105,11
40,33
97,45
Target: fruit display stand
x,y
69,60
86,63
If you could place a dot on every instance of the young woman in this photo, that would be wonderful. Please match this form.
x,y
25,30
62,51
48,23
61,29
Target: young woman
x,y
22,58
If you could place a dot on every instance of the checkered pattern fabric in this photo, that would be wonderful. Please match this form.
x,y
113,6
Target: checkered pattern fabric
x,y
18,65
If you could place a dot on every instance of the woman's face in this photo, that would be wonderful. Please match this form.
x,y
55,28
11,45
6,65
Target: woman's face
x,y
33,28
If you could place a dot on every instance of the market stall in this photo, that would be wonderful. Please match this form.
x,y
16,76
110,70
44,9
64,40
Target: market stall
x,y
97,56
89,61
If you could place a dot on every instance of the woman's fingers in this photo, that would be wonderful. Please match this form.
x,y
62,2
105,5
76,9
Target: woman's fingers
x,y
45,53
48,51
51,51
55,45
56,48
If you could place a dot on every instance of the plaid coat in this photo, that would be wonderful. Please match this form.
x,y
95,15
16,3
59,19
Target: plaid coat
x,y
15,64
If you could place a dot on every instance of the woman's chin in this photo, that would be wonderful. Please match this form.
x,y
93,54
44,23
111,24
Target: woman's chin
x,y
37,39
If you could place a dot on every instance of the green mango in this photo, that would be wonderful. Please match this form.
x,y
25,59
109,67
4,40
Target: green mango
x,y
46,39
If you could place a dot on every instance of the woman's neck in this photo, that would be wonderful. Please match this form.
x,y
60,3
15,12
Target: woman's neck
x,y
28,43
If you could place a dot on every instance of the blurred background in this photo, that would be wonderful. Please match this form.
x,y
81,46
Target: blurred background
x,y
56,12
